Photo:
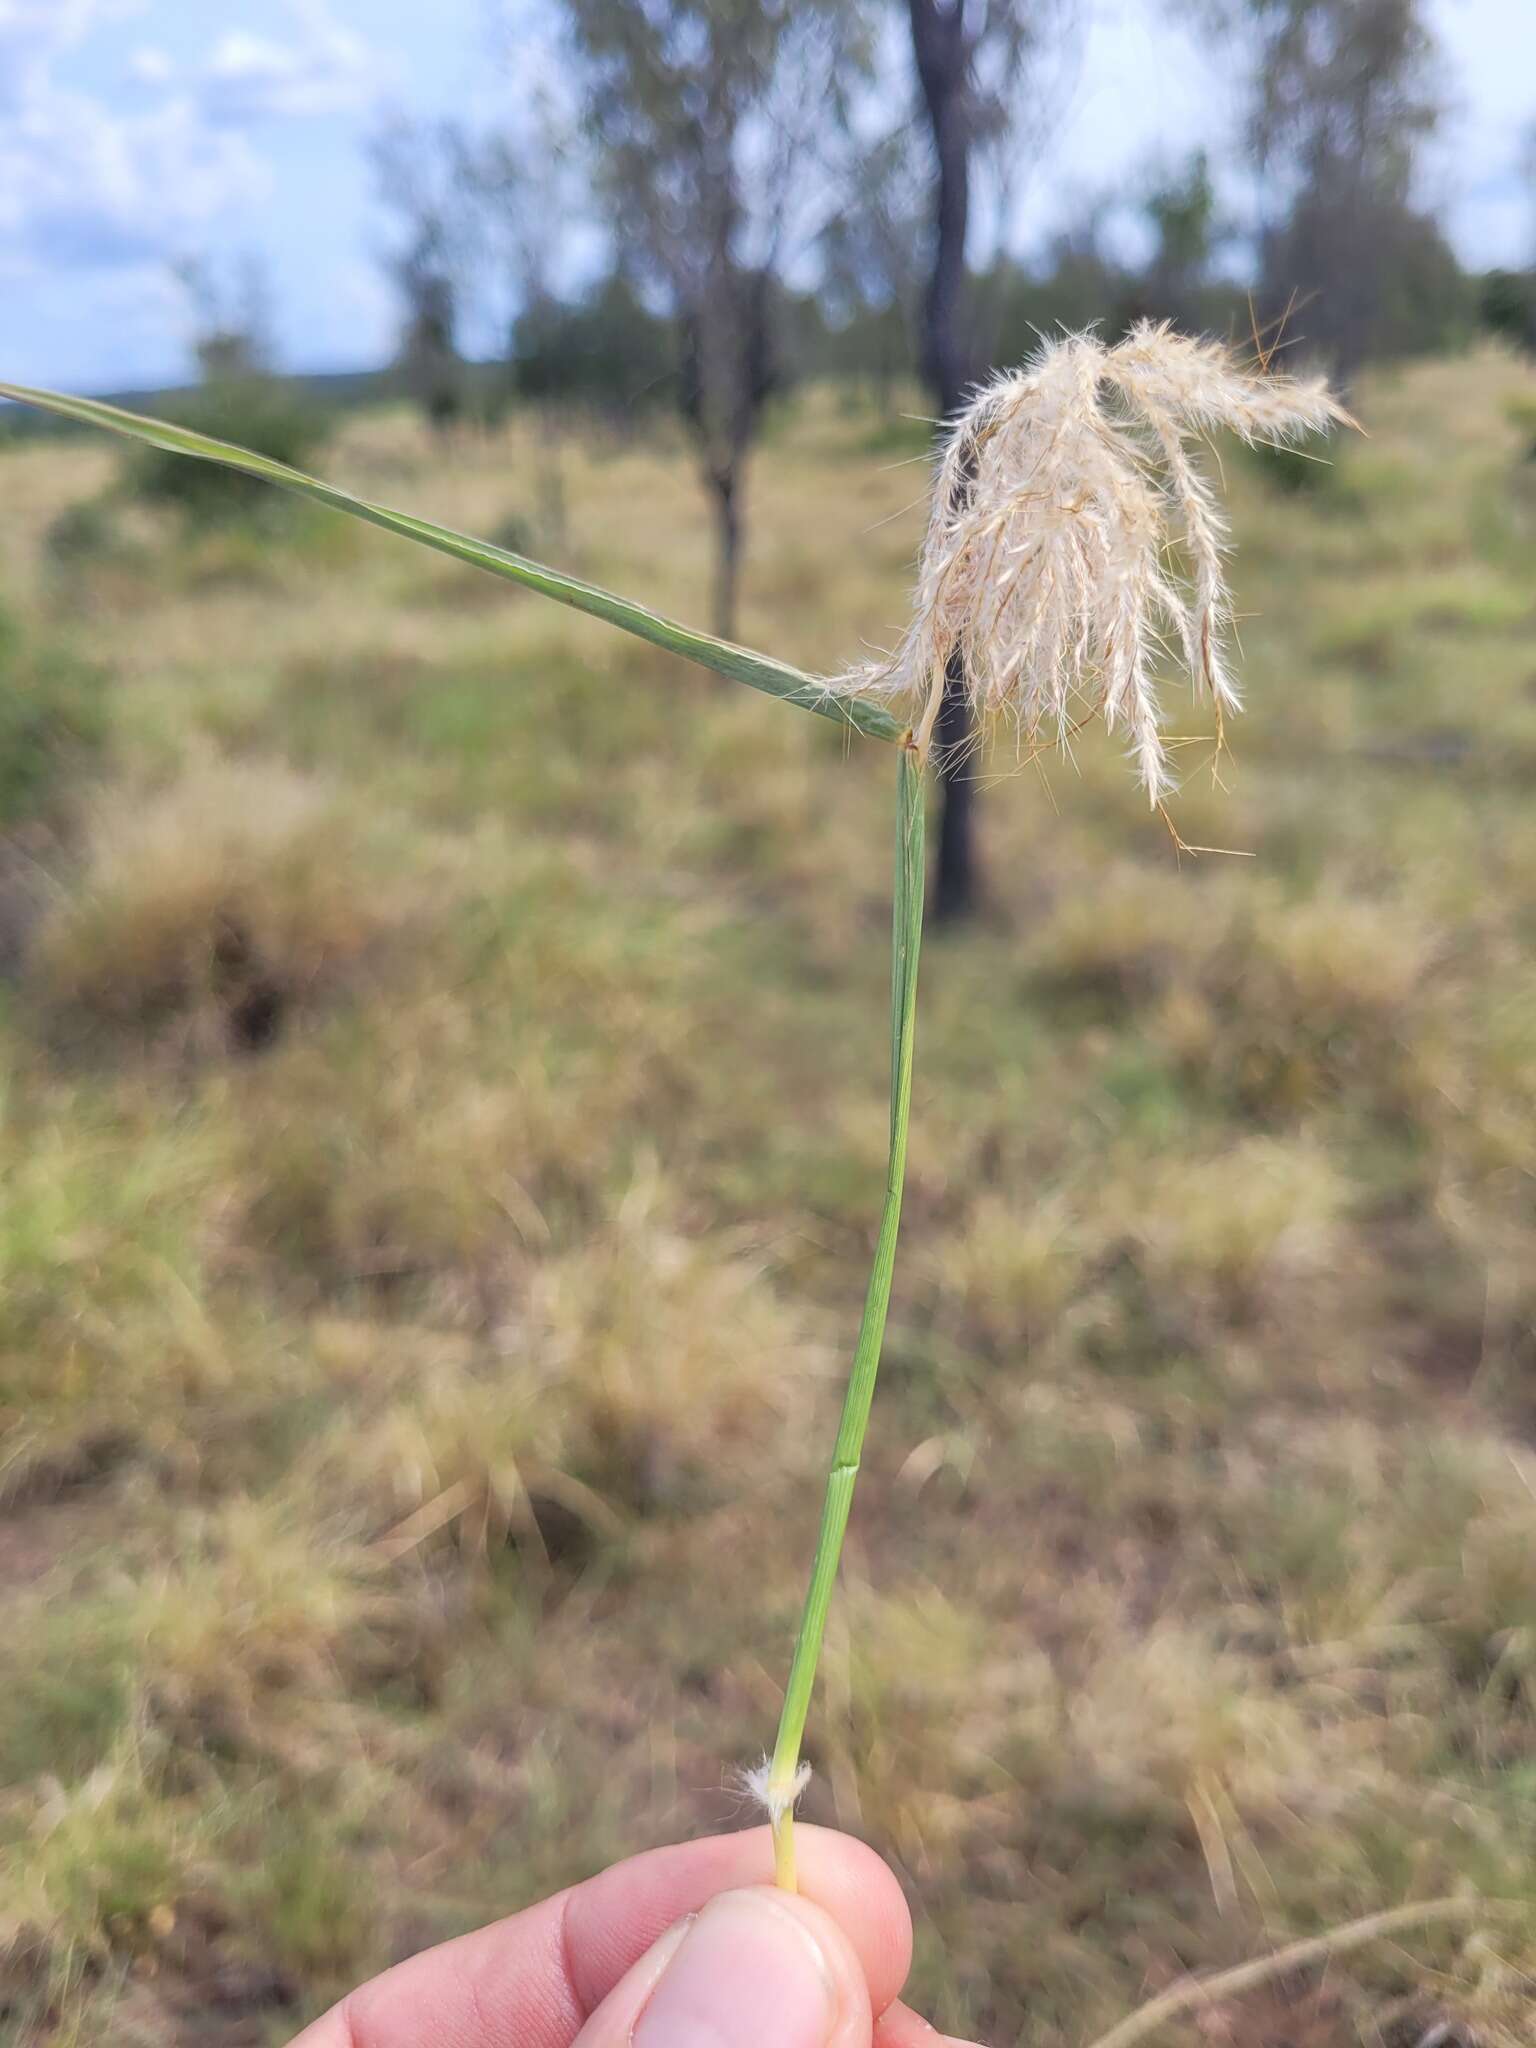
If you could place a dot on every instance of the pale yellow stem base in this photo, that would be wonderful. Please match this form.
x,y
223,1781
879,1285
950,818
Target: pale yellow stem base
x,y
784,1874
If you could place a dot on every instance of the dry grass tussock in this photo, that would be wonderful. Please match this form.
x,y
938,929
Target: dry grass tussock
x,y
215,903
409,1425
635,1372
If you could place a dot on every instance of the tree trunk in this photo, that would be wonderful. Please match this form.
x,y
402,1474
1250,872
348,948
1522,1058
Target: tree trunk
x,y
723,489
946,363
942,52
954,880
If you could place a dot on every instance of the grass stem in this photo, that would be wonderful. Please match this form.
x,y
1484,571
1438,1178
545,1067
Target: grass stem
x,y
907,930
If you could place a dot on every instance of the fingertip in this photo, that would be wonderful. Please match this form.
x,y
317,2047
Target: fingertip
x,y
615,1917
755,1968
854,2022
860,1891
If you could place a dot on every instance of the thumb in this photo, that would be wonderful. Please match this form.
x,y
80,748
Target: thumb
x,y
754,1969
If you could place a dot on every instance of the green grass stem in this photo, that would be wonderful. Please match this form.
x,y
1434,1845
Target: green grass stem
x,y
906,940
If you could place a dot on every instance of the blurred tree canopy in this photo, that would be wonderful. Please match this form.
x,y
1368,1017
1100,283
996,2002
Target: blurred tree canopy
x,y
1343,94
418,177
778,191
705,121
1507,307
606,350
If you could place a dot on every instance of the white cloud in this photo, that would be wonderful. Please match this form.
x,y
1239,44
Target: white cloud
x,y
121,157
247,79
150,66
82,186
88,184
32,31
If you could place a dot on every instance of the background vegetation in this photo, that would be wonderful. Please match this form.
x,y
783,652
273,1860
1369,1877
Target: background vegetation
x,y
442,1106
417,1336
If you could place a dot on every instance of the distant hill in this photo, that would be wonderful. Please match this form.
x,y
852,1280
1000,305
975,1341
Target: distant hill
x,y
332,390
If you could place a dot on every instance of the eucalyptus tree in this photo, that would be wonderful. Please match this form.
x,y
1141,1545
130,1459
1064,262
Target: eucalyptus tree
x,y
1180,209
871,251
713,124
521,187
418,179
1342,96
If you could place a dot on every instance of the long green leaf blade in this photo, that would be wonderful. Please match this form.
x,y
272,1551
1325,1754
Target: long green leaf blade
x,y
758,671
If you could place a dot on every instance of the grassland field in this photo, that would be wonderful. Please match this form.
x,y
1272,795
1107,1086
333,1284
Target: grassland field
x,y
442,1124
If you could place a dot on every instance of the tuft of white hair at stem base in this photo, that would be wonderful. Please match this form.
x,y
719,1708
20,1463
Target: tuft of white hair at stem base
x,y
776,1798
1074,541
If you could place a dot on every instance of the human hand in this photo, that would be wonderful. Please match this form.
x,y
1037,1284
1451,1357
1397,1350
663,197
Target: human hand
x,y
689,1947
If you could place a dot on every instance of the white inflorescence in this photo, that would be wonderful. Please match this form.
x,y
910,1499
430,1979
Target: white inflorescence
x,y
775,1801
1047,567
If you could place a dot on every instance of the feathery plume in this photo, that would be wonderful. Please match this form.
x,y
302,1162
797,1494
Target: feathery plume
x,y
1047,567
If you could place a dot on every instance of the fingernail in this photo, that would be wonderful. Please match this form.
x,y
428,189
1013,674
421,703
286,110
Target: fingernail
x,y
748,1974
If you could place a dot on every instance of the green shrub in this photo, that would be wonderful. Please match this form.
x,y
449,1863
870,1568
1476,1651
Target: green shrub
x,y
256,413
82,533
1521,413
1291,471
515,533
607,351
51,707
1507,307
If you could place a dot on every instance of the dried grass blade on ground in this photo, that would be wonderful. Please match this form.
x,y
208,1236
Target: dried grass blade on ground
x,y
1298,1955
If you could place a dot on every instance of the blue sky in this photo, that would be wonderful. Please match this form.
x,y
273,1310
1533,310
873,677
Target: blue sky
x,y
137,132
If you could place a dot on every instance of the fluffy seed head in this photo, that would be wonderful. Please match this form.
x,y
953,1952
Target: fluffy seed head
x,y
1074,541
